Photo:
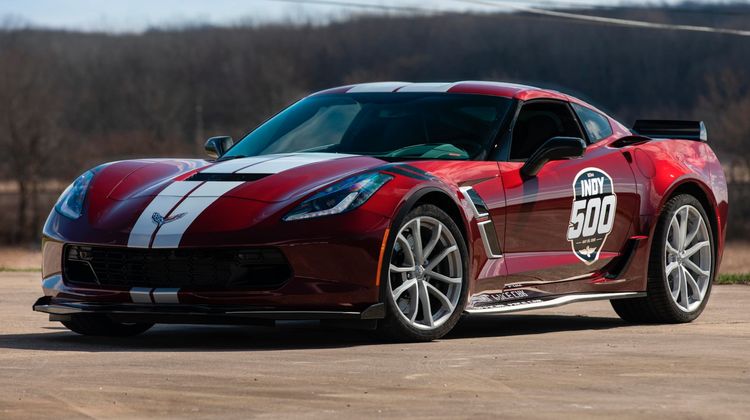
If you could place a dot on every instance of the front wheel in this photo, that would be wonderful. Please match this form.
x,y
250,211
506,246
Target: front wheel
x,y
681,267
424,280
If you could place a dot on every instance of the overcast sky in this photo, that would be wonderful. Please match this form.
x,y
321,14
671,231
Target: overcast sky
x,y
137,15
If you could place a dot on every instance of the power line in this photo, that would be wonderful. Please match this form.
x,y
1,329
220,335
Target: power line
x,y
515,5
607,20
371,6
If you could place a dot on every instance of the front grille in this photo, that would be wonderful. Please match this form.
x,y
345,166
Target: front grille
x,y
205,269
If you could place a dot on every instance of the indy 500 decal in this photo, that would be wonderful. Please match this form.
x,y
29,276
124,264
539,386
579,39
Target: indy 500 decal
x,y
593,213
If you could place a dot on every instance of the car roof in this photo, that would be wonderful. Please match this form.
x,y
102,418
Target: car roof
x,y
502,89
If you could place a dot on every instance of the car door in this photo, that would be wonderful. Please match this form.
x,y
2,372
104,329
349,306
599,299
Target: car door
x,y
565,224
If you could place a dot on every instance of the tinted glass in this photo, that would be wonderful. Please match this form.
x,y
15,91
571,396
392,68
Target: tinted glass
x,y
538,122
396,125
596,125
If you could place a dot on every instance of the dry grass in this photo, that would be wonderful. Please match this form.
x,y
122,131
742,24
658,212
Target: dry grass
x,y
20,258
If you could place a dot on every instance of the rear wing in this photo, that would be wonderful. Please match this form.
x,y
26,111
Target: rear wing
x,y
671,129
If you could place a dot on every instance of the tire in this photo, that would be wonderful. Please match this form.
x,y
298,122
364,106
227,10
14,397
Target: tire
x,y
669,298
438,285
103,326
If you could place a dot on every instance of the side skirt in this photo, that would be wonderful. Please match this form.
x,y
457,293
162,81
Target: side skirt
x,y
526,305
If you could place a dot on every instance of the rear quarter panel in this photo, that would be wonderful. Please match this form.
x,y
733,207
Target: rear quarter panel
x,y
664,167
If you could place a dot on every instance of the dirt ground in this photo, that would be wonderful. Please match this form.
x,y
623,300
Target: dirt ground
x,y
578,361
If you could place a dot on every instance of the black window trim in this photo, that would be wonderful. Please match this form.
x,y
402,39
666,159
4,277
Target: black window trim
x,y
501,148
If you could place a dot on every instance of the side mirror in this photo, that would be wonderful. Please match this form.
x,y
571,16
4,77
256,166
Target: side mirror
x,y
556,148
217,146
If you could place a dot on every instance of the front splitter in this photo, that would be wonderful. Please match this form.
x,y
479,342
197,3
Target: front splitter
x,y
182,313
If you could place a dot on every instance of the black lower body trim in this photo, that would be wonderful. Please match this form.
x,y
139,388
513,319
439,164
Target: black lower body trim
x,y
186,314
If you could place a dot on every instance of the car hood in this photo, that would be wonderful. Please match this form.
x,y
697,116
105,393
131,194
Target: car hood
x,y
269,178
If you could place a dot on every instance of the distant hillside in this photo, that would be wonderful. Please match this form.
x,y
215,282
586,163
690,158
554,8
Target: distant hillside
x,y
71,99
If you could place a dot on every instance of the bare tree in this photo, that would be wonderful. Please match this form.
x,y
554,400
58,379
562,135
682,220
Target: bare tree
x,y
29,129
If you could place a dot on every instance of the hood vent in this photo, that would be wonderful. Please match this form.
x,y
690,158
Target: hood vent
x,y
233,177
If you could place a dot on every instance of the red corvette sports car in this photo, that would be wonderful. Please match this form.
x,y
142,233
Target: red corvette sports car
x,y
401,206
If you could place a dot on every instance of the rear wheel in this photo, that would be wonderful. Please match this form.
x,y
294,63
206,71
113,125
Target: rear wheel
x,y
424,285
681,267
101,325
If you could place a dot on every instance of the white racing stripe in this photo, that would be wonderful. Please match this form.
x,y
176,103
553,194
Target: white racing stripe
x,y
497,84
377,87
186,200
170,234
235,165
144,227
140,295
166,296
289,162
427,87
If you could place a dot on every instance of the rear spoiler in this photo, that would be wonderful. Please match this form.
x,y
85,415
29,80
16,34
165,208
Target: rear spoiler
x,y
671,129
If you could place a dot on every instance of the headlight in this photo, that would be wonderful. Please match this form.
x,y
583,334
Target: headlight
x,y
70,203
340,197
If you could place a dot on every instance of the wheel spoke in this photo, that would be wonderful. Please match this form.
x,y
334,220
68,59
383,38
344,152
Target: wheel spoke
x,y
694,268
442,277
675,289
695,248
414,302
407,248
416,233
671,267
433,241
671,249
690,281
439,296
395,269
684,290
424,300
674,226
401,289
440,257
683,229
691,236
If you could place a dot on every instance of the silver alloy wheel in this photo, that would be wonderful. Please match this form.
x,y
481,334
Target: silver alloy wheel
x,y
688,258
426,273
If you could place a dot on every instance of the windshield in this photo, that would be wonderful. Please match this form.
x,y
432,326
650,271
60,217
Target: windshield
x,y
395,125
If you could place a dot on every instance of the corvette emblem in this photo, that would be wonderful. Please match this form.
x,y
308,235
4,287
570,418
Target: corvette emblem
x,y
160,220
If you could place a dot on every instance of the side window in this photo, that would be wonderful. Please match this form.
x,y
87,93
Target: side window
x,y
596,125
538,122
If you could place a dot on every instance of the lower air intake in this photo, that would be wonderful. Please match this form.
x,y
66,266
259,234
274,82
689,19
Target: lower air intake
x,y
205,269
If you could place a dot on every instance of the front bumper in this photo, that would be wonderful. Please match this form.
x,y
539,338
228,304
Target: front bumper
x,y
334,269
189,314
